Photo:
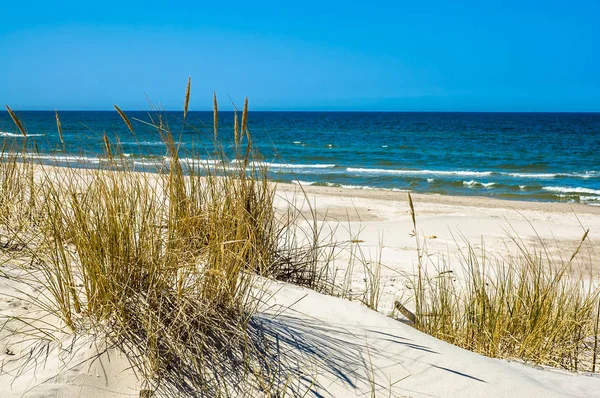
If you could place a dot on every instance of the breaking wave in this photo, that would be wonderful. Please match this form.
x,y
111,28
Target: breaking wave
x,y
572,190
474,183
418,172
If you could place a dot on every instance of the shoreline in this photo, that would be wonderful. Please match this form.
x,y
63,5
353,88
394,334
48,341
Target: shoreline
x,y
434,198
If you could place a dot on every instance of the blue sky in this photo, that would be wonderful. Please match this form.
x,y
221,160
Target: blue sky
x,y
309,55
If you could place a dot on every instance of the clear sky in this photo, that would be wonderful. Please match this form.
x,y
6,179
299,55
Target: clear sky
x,y
422,55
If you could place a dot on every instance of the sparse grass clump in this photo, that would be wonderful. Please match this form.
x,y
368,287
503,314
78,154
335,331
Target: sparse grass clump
x,y
530,306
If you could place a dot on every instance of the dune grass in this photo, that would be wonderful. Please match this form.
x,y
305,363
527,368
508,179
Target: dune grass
x,y
530,306
161,265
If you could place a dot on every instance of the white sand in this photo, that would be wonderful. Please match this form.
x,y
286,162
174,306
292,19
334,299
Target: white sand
x,y
349,340
339,340
381,222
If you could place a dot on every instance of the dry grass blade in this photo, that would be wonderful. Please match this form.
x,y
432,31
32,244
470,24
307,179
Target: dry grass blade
x,y
16,120
187,97
235,128
412,211
59,127
596,338
125,119
107,147
215,115
585,235
244,118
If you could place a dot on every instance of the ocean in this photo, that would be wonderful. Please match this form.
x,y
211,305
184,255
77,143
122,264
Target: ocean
x,y
523,156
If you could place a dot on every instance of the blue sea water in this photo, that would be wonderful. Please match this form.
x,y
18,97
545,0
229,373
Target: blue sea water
x,y
526,156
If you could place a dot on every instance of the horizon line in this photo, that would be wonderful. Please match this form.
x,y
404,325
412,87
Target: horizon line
x,y
296,110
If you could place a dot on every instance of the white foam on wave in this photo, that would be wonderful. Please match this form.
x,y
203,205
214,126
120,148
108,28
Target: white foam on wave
x,y
97,160
522,187
350,186
148,162
144,143
297,142
304,166
303,183
532,175
368,188
430,180
418,172
347,186
585,174
474,183
65,158
589,198
288,165
89,159
194,161
18,135
572,190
